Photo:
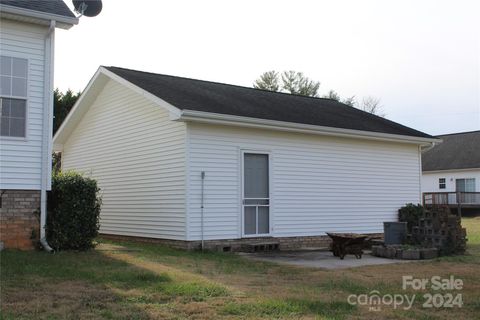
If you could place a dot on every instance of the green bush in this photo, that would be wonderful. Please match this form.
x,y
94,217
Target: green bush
x,y
410,214
73,211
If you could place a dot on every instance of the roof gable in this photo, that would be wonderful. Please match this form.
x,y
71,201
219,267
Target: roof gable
x,y
212,97
458,151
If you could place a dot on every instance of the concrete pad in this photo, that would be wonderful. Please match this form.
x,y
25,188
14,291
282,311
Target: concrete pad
x,y
319,259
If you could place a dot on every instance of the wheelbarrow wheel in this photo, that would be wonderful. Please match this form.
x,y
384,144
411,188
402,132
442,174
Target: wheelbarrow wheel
x,y
335,252
342,256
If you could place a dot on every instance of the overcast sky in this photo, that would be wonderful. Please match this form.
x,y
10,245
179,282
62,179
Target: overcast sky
x,y
421,58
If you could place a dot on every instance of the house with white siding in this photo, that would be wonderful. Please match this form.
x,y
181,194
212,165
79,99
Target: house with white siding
x,y
191,163
451,171
27,37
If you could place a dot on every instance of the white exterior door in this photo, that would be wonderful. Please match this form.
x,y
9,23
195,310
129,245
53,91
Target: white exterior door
x,y
256,194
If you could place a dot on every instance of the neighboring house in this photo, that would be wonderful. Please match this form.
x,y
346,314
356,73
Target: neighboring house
x,y
189,160
27,30
453,167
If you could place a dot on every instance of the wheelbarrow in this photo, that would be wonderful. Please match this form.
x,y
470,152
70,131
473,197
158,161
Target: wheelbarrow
x,y
347,243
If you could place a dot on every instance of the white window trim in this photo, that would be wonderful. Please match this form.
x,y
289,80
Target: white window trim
x,y
242,152
27,104
444,183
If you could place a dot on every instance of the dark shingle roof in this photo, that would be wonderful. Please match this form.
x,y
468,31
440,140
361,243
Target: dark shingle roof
x,y
57,7
458,151
221,98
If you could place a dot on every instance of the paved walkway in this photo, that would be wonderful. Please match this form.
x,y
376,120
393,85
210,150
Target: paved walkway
x,y
319,259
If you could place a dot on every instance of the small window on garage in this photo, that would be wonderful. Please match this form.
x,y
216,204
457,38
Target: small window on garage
x,y
441,183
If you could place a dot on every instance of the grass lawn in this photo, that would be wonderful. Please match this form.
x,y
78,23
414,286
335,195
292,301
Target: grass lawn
x,y
125,280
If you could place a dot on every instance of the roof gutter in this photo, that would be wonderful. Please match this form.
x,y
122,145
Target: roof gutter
x,y
223,119
62,21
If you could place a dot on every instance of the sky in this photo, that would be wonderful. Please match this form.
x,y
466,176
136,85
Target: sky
x,y
420,58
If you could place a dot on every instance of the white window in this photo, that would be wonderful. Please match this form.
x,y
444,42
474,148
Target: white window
x,y
13,96
442,183
465,185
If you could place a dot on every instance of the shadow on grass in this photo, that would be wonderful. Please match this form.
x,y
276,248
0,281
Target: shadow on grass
x,y
37,285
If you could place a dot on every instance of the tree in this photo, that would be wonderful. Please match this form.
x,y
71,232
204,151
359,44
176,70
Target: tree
x,y
62,104
350,101
372,105
295,82
268,81
332,95
291,82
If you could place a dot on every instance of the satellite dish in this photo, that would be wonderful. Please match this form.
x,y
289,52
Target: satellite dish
x,y
88,8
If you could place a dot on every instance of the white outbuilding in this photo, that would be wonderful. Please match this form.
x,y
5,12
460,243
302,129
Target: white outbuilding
x,y
188,161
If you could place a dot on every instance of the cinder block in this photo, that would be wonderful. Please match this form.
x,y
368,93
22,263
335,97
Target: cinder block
x,y
411,254
429,253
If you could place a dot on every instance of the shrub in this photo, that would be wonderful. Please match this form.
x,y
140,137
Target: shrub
x,y
410,214
73,211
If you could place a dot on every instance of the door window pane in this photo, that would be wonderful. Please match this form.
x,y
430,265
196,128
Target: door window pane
x,y
465,185
263,220
250,220
470,185
256,175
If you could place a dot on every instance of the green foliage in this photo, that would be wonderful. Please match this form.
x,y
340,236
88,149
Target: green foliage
x,y
56,162
410,214
62,104
268,81
295,82
332,95
73,211
292,82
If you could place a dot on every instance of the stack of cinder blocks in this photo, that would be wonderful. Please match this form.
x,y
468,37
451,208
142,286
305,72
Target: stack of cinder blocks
x,y
441,229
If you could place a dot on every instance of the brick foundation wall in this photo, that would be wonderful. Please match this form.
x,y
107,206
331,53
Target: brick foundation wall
x,y
285,243
20,218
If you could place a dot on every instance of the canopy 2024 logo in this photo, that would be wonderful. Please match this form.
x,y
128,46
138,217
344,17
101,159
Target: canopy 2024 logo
x,y
445,295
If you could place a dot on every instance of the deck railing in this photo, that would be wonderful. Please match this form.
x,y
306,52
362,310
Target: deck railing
x,y
451,198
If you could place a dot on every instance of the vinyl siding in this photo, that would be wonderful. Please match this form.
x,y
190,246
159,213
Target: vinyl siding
x,y
318,183
20,159
137,156
430,179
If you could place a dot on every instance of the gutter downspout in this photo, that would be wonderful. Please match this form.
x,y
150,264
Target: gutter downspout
x,y
47,132
421,150
202,206
430,147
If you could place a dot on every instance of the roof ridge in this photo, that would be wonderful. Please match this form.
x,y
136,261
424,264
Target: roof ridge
x,y
228,84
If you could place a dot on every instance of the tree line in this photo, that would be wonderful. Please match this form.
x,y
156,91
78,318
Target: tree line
x,y
295,82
